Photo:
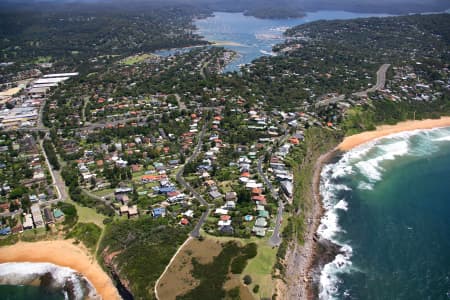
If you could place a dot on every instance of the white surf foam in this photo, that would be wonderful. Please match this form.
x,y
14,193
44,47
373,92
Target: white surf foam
x,y
329,280
372,169
366,161
25,272
442,139
329,226
342,204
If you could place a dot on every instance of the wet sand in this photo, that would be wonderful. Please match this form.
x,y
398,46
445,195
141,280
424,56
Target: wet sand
x,y
384,130
303,256
300,258
66,254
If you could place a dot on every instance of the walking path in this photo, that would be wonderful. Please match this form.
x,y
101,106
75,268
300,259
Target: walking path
x,y
169,264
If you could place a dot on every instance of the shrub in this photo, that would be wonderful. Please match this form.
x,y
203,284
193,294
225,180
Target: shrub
x,y
239,263
256,289
247,279
234,293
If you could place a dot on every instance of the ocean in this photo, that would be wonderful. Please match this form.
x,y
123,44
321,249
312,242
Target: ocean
x,y
388,208
255,37
26,292
39,281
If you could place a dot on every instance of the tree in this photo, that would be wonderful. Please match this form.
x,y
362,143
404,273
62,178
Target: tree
x,y
18,192
247,279
244,196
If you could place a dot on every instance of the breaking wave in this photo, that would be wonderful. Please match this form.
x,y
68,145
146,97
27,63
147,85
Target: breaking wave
x,y
329,227
70,282
362,168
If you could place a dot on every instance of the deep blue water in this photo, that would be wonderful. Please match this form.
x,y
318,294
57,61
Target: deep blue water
x,y
255,37
389,207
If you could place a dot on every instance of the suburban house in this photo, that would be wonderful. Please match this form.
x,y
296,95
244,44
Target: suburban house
x,y
37,216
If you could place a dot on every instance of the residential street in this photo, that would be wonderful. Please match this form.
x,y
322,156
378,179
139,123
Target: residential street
x,y
196,231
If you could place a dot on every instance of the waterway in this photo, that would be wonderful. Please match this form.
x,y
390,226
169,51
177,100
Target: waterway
x,y
251,37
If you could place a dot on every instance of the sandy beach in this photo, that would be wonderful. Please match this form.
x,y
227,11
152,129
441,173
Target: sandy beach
x,y
66,254
299,260
384,130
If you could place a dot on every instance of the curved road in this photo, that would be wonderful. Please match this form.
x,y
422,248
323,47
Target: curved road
x,y
196,231
381,81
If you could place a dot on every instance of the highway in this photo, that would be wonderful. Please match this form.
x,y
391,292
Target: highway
x,y
379,85
180,179
381,81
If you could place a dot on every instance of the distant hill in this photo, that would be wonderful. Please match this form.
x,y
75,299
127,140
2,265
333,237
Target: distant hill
x,y
378,6
266,8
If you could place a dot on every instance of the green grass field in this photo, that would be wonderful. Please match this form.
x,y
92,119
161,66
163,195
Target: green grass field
x,y
42,59
131,60
260,267
88,233
102,193
88,215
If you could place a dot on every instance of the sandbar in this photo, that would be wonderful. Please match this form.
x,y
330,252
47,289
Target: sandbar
x,y
227,43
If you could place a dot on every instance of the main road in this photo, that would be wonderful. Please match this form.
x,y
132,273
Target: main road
x,y
379,85
196,231
381,81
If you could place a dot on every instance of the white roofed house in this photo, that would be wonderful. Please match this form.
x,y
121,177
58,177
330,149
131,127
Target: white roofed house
x,y
37,216
287,188
60,75
28,222
224,223
221,211
230,204
189,213
121,163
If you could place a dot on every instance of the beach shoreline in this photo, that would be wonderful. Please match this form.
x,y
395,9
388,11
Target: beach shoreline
x,y
356,140
65,254
303,257
300,258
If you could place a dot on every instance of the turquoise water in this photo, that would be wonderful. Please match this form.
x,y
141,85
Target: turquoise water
x,y
255,36
388,206
18,292
57,282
